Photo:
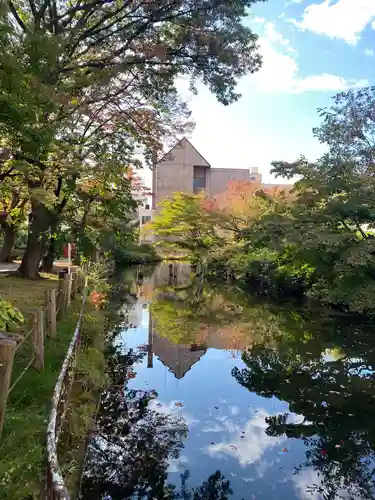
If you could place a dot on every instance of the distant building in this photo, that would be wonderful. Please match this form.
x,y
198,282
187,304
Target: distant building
x,y
184,169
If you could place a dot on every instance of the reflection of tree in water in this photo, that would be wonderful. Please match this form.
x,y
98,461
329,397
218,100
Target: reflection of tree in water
x,y
181,314
216,487
132,446
336,397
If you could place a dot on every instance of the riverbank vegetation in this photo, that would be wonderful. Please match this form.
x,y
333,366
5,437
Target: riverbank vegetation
x,y
313,239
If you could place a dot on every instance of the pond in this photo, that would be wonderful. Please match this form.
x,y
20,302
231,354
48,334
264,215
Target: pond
x,y
216,394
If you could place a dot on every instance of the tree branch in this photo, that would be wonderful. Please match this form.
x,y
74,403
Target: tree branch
x,y
16,16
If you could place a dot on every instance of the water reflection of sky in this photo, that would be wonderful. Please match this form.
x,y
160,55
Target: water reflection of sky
x,y
226,423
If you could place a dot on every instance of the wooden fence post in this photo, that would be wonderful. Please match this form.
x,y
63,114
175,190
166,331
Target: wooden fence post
x,y
7,350
46,312
68,277
52,313
80,282
74,285
38,340
66,287
61,301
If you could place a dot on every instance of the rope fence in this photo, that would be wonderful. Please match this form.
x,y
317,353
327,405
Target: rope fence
x,y
56,304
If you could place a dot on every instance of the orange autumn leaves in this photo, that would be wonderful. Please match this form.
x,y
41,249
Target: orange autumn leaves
x,y
245,201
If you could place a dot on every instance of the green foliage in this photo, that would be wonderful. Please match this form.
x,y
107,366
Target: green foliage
x,y
133,253
184,223
10,316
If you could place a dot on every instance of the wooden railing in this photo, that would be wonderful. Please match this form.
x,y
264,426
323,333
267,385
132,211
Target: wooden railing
x,y
55,484
57,302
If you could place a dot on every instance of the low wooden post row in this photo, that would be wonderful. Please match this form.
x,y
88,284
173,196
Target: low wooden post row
x,y
70,284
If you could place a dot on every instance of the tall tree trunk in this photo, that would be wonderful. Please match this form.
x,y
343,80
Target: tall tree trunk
x,y
9,239
50,255
38,227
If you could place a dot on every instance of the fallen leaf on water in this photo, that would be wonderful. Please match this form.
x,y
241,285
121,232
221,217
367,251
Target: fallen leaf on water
x,y
179,404
284,450
216,407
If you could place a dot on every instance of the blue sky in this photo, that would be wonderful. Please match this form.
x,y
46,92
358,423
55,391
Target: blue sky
x,y
311,50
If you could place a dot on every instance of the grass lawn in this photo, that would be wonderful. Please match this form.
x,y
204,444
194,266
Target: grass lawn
x,y
28,296
22,445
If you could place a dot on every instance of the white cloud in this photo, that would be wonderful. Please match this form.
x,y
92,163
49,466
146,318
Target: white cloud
x,y
275,37
280,72
250,449
344,19
258,20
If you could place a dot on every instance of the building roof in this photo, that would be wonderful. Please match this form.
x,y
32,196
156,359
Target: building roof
x,y
178,358
180,143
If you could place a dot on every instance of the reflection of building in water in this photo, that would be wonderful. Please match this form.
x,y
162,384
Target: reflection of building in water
x,y
228,338
164,275
135,315
177,357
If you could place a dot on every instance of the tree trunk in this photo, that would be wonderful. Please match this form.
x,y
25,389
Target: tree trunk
x,y
9,239
38,227
50,255
48,258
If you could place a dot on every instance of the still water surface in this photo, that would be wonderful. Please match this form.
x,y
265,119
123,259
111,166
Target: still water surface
x,y
217,395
